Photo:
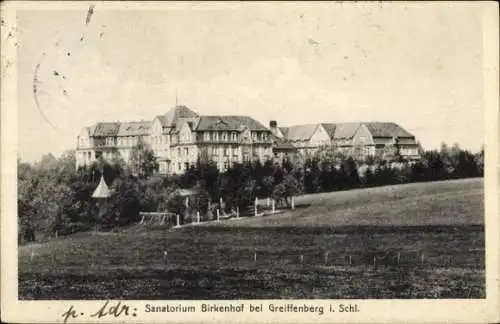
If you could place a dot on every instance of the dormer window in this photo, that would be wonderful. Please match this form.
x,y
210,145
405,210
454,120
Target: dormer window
x,y
234,136
207,136
224,136
216,136
254,136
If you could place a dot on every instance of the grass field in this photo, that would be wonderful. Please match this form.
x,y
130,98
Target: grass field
x,y
410,241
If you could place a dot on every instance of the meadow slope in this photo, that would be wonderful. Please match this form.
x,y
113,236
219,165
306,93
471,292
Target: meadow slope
x,y
421,240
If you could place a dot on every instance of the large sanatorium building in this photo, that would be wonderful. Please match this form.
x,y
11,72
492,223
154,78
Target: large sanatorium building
x,y
181,136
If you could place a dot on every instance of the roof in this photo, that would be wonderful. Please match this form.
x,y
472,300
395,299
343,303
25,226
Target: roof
x,y
378,129
134,128
285,146
104,129
102,190
330,129
171,117
284,131
300,132
345,130
227,123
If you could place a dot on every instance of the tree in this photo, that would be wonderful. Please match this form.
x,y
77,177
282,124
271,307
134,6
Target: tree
x,y
351,173
479,159
286,189
143,160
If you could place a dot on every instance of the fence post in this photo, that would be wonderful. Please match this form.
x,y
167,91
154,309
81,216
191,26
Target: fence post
x,y
274,206
218,215
237,212
350,260
198,216
32,254
178,220
423,258
268,202
255,256
301,259
374,261
326,257
255,206
399,256
293,203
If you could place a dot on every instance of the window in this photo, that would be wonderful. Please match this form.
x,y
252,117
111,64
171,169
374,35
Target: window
x,y
224,136
179,152
186,166
234,136
226,165
254,136
214,150
216,136
226,151
207,136
179,166
186,151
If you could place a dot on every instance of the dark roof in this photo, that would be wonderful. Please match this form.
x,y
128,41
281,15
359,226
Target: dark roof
x,y
285,146
104,129
134,128
284,131
171,117
378,129
330,129
300,132
345,130
227,123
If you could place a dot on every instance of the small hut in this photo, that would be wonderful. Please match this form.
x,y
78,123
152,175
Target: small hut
x,y
101,194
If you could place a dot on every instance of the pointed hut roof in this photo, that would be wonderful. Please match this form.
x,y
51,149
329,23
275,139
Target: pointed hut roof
x,y
102,190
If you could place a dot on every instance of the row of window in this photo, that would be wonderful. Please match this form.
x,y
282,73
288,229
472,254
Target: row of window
x,y
159,139
225,136
121,141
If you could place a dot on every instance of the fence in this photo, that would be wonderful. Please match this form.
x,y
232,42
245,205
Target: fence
x,y
212,214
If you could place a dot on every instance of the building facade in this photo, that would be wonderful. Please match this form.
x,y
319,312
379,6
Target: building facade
x,y
363,139
181,137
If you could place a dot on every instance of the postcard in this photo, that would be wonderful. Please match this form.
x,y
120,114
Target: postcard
x,y
274,162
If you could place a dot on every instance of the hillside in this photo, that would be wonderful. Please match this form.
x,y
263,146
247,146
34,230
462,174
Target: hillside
x,y
332,249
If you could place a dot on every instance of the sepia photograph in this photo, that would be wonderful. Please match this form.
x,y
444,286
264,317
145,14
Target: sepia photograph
x,y
235,151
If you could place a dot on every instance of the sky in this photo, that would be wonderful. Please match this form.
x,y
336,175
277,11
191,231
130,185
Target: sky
x,y
418,65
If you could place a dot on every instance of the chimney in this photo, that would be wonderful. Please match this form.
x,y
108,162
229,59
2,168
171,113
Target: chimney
x,y
273,124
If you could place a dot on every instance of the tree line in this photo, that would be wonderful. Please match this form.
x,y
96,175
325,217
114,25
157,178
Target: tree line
x,y
54,197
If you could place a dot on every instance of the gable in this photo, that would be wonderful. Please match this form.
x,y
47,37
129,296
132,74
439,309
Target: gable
x,y
156,127
84,133
320,137
246,135
185,134
362,136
